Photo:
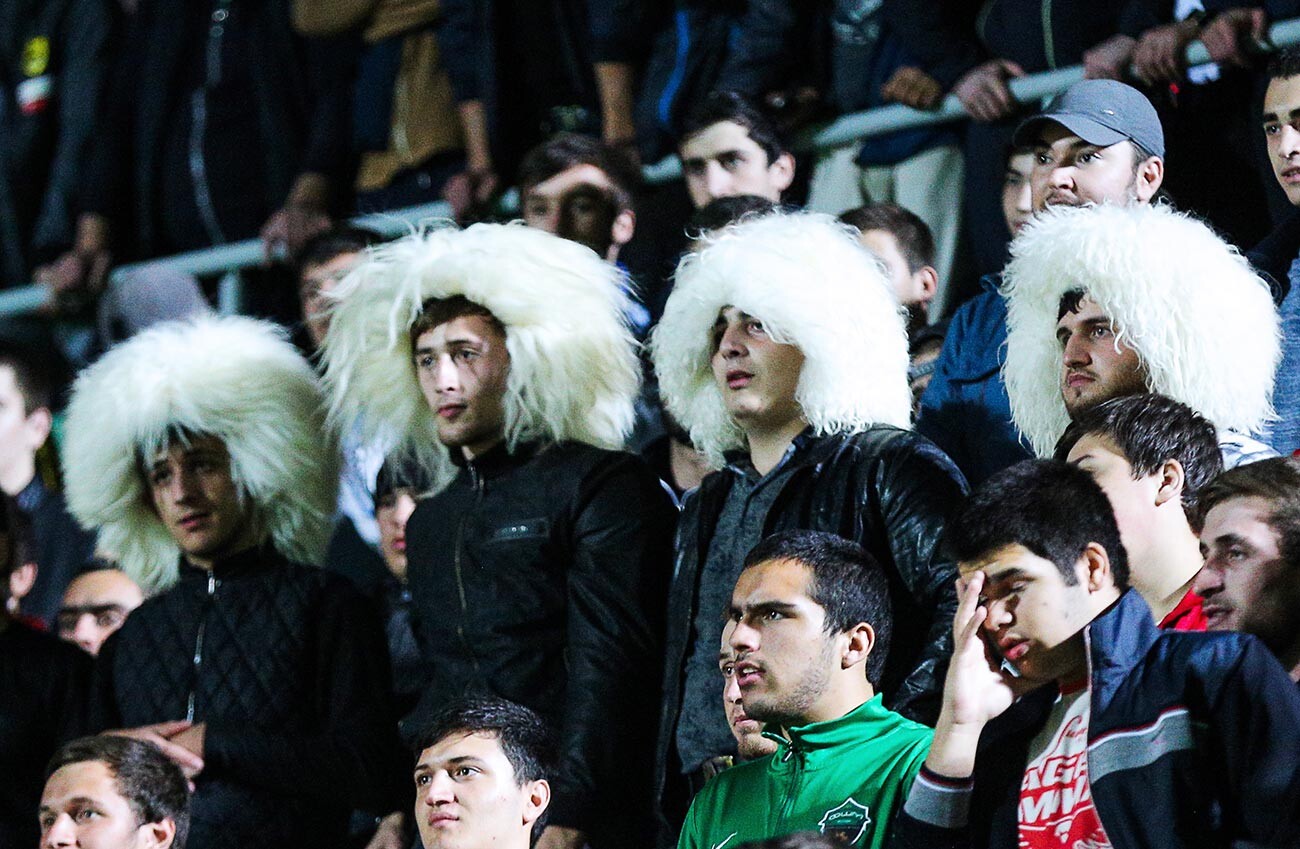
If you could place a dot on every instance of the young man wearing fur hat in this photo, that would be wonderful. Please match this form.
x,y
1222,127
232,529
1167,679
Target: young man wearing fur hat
x,y
782,350
499,358
1106,301
198,451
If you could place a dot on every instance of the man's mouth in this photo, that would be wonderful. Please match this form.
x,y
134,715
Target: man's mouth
x,y
439,818
737,379
192,521
1013,649
1075,379
450,411
1215,615
1290,175
399,544
747,674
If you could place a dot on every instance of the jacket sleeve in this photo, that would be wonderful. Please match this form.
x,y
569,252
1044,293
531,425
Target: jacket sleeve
x,y
913,492
760,49
84,50
1255,715
935,815
616,28
330,65
353,756
621,537
939,33
460,48
937,419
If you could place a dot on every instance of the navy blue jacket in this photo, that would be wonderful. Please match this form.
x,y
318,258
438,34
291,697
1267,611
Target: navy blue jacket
x,y
965,409
1192,742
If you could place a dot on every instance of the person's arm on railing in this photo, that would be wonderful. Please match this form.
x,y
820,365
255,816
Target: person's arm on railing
x,y
940,34
761,49
616,29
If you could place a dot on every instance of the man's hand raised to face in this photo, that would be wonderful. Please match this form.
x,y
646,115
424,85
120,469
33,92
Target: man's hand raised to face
x,y
173,739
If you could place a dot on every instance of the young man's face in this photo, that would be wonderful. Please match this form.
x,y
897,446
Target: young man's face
x,y
757,376
750,742
314,286
723,161
82,807
1017,191
95,605
1034,616
784,657
392,512
912,288
194,494
1069,171
463,366
1246,583
1133,500
467,797
1096,365
580,204
21,434
1282,133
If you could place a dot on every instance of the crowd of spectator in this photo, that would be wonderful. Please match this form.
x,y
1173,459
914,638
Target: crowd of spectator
x,y
962,462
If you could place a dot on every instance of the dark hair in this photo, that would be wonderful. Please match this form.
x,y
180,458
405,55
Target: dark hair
x,y
846,581
154,787
1277,481
1149,430
336,241
1069,302
1285,63
32,378
401,473
1051,508
724,211
563,151
915,241
16,542
795,840
436,311
525,738
734,107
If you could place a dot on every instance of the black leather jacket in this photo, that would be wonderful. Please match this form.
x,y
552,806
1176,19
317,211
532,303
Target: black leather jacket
x,y
288,668
890,490
540,577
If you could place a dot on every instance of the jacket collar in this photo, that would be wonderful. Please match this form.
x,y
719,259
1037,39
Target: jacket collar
x,y
30,497
497,460
250,561
819,737
738,460
1117,640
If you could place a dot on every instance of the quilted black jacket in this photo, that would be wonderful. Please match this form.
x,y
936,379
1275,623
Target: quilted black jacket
x,y
288,668
540,576
890,490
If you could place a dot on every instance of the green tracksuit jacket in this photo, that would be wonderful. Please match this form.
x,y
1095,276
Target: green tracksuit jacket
x,y
845,778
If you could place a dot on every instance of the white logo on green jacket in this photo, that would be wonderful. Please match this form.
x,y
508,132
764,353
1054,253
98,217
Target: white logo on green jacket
x,y
847,823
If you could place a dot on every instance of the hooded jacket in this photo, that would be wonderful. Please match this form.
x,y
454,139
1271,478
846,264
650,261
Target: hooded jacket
x,y
1202,322
1191,743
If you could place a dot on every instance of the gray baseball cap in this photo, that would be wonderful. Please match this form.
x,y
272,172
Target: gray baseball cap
x,y
1101,112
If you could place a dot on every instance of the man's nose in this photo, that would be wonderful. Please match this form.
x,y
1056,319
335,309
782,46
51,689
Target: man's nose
x,y
1076,350
718,181
86,633
63,832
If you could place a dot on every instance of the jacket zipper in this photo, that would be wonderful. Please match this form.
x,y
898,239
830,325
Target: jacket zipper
x,y
198,649
460,575
792,791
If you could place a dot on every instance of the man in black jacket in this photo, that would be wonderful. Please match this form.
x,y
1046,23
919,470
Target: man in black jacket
x,y
538,571
197,450
782,351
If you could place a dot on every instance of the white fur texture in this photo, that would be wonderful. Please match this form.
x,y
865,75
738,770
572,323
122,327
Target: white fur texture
x,y
234,378
1201,320
812,285
573,365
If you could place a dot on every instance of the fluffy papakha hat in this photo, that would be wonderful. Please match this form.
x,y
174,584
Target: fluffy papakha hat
x,y
805,276
574,373
1201,320
237,379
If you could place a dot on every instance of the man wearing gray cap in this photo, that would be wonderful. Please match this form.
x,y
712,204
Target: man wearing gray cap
x,y
1099,141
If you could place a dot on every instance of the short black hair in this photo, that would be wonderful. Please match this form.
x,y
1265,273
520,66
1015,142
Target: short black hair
x,y
734,107
1277,481
1148,430
563,151
152,785
525,738
915,241
846,581
1052,508
724,211
1069,302
33,379
401,473
1285,63
336,241
16,541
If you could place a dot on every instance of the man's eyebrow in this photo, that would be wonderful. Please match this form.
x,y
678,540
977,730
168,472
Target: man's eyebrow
x,y
1272,116
1230,539
772,606
1011,573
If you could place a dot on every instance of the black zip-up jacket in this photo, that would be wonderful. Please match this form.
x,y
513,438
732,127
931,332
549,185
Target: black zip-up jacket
x,y
539,576
288,668
1192,742
888,489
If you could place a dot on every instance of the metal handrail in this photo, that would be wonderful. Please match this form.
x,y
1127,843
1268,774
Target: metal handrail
x,y
846,130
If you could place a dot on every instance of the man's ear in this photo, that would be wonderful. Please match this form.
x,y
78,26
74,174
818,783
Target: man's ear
x,y
862,639
1095,566
21,581
38,425
539,799
1172,482
781,171
623,228
1150,174
928,279
159,834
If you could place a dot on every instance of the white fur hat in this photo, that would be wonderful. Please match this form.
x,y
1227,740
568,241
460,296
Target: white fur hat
x,y
237,379
812,285
1201,320
573,365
